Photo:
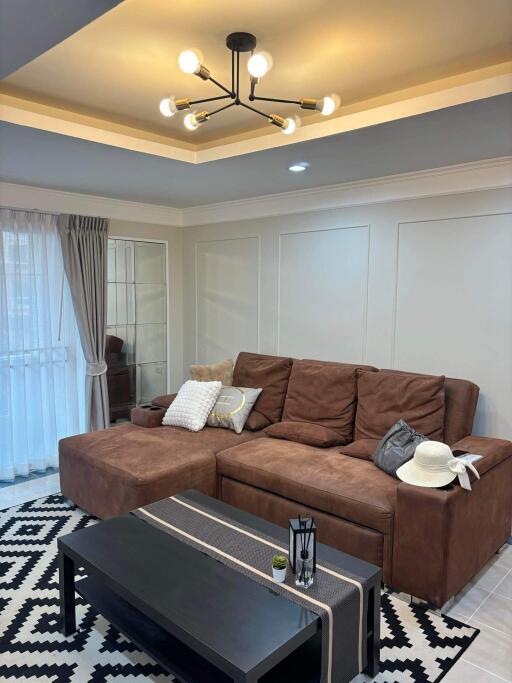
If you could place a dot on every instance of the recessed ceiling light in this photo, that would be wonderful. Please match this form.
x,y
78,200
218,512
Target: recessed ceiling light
x,y
300,166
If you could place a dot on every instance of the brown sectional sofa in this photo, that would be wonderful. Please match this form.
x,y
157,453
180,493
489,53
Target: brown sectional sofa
x,y
429,543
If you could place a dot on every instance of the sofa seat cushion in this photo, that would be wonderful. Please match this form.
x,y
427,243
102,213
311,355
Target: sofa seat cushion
x,y
324,479
141,454
112,471
386,397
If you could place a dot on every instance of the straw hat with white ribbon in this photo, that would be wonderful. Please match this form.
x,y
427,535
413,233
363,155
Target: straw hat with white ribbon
x,y
433,465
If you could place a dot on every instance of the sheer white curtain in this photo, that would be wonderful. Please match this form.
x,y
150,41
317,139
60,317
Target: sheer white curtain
x,y
42,368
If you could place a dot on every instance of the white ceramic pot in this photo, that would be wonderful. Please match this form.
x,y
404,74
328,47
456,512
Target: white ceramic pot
x,y
279,574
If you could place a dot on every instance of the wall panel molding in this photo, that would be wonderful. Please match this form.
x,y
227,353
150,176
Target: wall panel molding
x,y
365,276
452,310
196,286
400,225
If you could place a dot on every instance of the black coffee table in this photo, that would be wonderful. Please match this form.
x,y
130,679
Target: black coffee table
x,y
200,620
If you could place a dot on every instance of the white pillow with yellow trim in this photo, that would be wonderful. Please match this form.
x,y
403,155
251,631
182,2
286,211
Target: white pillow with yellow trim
x,y
232,407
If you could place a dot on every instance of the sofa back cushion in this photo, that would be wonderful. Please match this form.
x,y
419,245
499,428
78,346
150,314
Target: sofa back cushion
x,y
324,394
362,448
270,373
461,398
386,397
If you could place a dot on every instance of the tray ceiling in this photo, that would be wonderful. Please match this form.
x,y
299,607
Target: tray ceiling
x,y
386,60
116,69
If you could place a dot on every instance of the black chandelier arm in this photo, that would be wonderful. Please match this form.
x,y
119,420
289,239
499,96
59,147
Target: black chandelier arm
x,y
238,77
256,111
253,97
210,99
232,71
216,111
222,87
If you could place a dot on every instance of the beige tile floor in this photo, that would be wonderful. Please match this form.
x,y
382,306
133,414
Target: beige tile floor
x,y
29,490
485,603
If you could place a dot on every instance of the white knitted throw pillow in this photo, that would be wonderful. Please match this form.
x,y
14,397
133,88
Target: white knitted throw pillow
x,y
192,405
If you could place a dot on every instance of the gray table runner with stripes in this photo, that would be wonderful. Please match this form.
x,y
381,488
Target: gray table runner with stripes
x,y
336,596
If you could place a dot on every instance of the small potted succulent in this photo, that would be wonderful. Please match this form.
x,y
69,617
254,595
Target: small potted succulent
x,y
279,564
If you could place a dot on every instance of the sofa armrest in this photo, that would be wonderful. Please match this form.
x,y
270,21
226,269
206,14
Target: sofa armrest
x,y
164,401
147,417
493,451
442,538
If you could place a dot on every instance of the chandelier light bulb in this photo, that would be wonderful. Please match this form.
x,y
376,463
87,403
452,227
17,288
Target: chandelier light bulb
x,y
259,64
168,107
329,104
290,126
190,122
189,62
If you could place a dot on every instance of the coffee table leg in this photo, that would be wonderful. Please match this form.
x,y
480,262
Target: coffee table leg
x,y
67,593
373,622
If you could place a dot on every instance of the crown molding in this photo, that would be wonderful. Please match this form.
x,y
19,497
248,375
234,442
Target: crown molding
x,y
439,94
59,201
468,177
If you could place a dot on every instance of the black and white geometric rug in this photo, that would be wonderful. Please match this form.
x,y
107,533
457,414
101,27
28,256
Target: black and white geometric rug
x,y
416,646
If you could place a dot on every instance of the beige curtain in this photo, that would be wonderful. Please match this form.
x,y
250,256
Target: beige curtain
x,y
84,250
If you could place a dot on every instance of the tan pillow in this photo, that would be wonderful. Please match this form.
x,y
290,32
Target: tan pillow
x,y
305,432
323,393
215,372
386,397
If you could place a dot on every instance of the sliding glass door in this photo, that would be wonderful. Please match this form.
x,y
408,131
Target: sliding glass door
x,y
42,369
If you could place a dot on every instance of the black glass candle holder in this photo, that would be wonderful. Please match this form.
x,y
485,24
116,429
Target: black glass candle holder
x,y
302,542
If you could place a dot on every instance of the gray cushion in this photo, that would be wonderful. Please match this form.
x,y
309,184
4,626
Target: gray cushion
x,y
233,407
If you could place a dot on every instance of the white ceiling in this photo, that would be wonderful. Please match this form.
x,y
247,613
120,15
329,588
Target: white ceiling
x,y
28,28
468,132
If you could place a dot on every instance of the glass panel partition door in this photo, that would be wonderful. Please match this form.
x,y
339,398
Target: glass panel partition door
x,y
137,314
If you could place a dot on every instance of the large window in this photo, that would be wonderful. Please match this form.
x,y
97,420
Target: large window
x,y
42,367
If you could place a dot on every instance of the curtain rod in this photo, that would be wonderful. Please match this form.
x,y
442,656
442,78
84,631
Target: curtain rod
x,y
17,208
50,213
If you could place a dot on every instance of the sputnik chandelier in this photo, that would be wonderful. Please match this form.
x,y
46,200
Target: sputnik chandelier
x,y
258,65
